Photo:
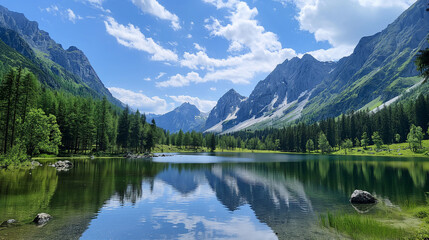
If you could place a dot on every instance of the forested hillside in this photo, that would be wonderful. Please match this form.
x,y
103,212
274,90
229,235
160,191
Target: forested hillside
x,y
35,119
24,45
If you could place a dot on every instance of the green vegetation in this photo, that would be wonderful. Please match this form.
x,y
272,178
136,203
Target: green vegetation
x,y
382,222
403,122
360,226
394,150
36,120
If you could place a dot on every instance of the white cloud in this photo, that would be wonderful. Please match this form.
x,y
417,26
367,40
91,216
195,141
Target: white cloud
x,y
222,4
213,88
189,36
199,48
179,80
344,22
52,9
97,4
147,79
160,75
131,36
154,8
202,105
332,54
67,14
72,16
140,101
261,50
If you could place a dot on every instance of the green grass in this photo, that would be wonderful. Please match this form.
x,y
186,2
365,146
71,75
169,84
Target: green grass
x,y
407,221
397,150
361,226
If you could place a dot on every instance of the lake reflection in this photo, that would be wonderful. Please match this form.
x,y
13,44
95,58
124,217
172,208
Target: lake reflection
x,y
244,196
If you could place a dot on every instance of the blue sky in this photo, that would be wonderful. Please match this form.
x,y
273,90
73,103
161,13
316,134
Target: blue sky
x,y
156,54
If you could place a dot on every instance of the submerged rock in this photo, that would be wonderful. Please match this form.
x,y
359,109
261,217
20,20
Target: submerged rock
x,y
362,197
36,164
62,165
42,218
8,223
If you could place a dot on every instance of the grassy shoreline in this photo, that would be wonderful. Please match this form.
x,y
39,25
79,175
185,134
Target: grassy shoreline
x,y
381,222
394,150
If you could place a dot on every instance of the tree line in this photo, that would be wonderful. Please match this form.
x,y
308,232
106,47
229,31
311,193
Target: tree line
x,y
36,120
402,122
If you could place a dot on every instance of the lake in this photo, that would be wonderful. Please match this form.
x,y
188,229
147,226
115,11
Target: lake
x,y
202,196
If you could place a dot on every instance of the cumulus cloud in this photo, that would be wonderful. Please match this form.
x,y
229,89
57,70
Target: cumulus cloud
x,y
344,22
199,47
222,4
72,16
154,8
202,105
160,75
140,101
181,80
258,50
131,36
52,9
66,14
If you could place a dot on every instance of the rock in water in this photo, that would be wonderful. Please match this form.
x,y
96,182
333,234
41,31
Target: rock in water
x,y
8,223
63,165
362,197
42,218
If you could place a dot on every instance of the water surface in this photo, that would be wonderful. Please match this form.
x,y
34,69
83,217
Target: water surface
x,y
202,196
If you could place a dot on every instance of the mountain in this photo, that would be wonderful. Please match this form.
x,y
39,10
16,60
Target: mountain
x,y
69,70
380,68
282,94
186,117
225,109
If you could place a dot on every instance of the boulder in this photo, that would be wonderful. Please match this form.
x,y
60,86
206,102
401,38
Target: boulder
x,y
36,164
42,218
63,165
8,223
362,197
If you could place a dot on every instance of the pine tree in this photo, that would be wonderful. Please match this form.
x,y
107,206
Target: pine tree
x,y
103,124
6,100
135,131
378,141
309,145
16,100
364,140
123,128
212,143
415,137
323,143
179,140
346,144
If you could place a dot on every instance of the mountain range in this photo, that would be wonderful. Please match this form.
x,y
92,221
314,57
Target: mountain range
x,y
23,44
186,117
379,70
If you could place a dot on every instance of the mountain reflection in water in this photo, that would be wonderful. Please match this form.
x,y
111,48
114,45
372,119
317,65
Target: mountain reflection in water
x,y
279,196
